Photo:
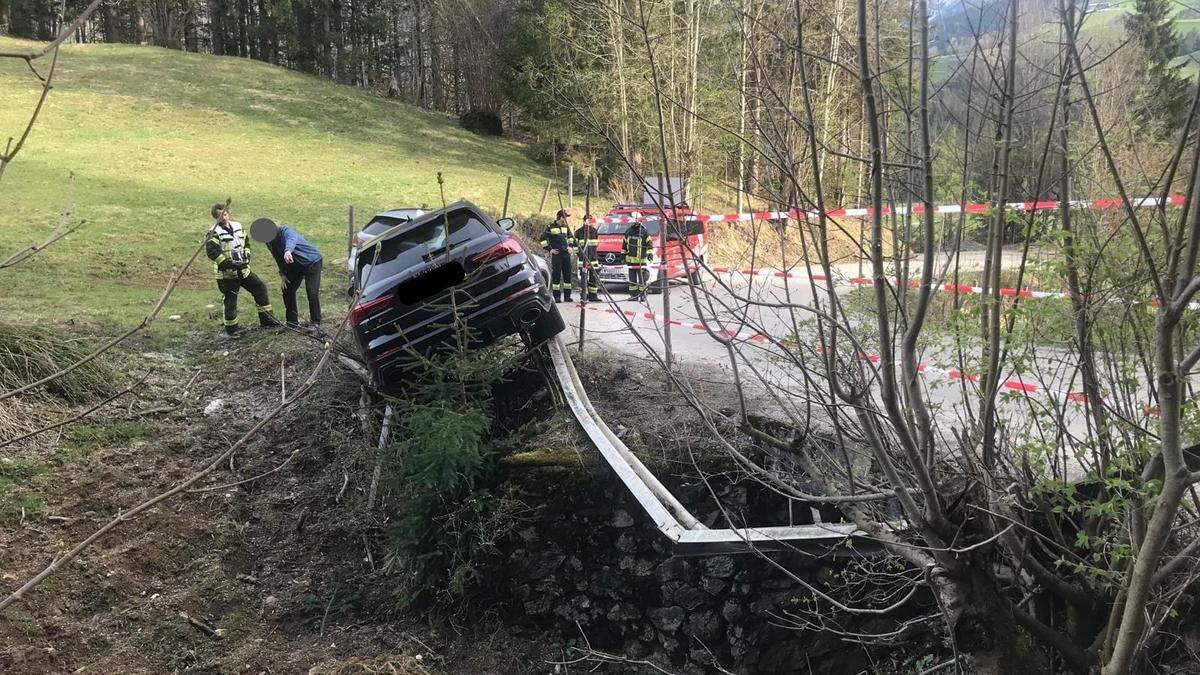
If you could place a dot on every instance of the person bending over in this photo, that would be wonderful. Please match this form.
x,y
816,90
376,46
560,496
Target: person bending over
x,y
298,261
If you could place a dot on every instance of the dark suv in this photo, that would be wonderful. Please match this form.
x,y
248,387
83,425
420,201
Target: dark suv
x,y
457,260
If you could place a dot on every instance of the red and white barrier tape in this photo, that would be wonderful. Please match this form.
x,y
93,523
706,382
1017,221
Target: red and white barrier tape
x,y
912,283
862,212
1017,384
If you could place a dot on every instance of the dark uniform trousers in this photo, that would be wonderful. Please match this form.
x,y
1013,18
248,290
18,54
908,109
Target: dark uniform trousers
x,y
557,236
229,291
311,276
587,239
637,248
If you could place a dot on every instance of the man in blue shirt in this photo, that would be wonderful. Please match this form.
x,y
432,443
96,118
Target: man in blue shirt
x,y
297,260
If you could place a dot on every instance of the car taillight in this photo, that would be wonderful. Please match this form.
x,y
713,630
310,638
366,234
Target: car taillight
x,y
509,246
363,311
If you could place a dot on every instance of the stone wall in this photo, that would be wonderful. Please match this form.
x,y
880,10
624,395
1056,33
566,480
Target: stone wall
x,y
589,563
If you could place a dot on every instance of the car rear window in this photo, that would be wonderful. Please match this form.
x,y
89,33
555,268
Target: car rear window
x,y
407,249
380,224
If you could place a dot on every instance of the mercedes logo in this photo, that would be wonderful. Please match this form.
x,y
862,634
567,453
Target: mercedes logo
x,y
610,257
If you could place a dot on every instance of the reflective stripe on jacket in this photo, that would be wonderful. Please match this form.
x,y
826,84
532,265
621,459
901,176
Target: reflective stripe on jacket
x,y
587,238
220,242
636,245
557,236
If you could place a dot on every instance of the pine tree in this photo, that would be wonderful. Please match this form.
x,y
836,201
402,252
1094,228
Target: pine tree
x,y
1165,98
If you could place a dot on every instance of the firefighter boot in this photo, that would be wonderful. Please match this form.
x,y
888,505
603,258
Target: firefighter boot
x,y
556,297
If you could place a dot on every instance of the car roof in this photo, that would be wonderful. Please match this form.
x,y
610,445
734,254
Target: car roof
x,y
402,212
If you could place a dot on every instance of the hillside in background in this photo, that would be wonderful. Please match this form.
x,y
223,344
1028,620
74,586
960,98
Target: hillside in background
x,y
954,21
155,136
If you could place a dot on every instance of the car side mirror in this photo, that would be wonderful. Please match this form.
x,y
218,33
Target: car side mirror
x,y
506,223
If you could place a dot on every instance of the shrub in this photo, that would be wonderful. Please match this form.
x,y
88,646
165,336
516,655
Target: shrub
x,y
442,466
482,121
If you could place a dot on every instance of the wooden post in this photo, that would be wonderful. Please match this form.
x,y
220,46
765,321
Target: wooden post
x,y
570,186
507,191
350,231
545,192
585,268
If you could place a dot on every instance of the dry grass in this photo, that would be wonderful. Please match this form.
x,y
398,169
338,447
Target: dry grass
x,y
759,243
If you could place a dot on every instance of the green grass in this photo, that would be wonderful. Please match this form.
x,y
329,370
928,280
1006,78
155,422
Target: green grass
x,y
15,503
90,436
156,136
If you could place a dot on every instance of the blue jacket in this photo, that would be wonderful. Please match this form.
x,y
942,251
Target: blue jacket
x,y
303,253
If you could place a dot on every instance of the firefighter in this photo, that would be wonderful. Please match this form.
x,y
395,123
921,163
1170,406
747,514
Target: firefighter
x,y
227,246
637,248
587,239
556,239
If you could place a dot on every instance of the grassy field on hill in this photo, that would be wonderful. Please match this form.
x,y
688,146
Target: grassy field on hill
x,y
156,136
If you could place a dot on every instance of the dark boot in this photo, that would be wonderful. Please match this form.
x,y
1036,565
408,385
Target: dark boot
x,y
556,297
592,297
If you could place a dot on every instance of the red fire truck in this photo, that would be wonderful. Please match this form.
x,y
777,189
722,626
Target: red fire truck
x,y
687,240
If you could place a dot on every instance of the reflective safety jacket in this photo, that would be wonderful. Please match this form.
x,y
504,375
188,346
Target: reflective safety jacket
x,y
637,245
557,236
220,244
587,239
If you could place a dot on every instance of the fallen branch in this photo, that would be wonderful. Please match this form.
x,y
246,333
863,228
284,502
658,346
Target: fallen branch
x,y
297,394
215,633
79,416
125,516
248,480
145,322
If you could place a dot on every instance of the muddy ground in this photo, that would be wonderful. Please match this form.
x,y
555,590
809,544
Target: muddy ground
x,y
278,575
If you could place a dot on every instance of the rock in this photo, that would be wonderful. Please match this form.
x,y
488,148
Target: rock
x,y
777,583
636,649
713,586
543,563
667,619
623,611
627,543
684,595
622,519
675,569
721,567
214,406
733,611
543,599
705,626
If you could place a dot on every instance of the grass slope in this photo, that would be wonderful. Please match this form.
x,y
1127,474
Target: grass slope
x,y
156,136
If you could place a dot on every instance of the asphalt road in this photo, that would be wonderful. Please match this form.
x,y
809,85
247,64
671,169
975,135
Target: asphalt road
x,y
760,360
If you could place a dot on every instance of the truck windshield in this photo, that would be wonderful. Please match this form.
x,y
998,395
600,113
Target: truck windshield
x,y
406,249
619,228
